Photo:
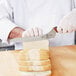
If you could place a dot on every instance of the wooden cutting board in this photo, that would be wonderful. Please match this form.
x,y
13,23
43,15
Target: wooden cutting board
x,y
8,64
63,60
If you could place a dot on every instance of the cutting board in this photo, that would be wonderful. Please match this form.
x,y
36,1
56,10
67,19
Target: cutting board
x,y
8,64
63,60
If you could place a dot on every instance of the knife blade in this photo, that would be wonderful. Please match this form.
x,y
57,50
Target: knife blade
x,y
49,35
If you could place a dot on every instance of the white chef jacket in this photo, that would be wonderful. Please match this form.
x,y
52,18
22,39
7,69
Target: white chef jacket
x,y
30,13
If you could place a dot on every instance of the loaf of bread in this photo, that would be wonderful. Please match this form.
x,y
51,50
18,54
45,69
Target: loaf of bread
x,y
34,59
34,54
35,62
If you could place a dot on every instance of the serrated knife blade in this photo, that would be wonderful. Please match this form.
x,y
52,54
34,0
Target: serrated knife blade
x,y
51,34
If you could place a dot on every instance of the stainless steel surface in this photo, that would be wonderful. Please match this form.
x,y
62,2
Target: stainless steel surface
x,y
6,47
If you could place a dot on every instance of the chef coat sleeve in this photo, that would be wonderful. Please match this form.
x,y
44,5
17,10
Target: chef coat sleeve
x,y
6,23
74,2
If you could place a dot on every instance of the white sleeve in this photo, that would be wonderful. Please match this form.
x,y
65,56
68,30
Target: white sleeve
x,y
6,25
74,2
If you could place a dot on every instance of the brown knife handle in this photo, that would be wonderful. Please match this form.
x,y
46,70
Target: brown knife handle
x,y
55,28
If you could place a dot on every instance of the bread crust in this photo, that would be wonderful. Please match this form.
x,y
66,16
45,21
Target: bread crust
x,y
45,73
35,68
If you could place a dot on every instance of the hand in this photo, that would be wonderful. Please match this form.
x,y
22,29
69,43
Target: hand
x,y
68,23
32,32
16,32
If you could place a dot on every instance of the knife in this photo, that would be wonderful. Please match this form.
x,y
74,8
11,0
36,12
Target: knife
x,y
49,35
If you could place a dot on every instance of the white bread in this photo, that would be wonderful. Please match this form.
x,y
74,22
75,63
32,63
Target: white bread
x,y
45,73
34,63
35,68
39,44
34,54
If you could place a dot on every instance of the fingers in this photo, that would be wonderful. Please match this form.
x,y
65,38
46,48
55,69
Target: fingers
x,y
37,31
66,24
65,29
59,29
33,32
25,34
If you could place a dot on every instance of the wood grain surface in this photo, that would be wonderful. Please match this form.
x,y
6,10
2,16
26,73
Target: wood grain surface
x,y
63,60
8,64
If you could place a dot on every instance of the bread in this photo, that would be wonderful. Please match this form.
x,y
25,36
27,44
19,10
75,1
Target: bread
x,y
34,59
37,44
45,73
33,63
34,54
35,68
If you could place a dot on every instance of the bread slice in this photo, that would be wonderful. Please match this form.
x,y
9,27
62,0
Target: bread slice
x,y
37,44
35,68
45,73
34,63
34,54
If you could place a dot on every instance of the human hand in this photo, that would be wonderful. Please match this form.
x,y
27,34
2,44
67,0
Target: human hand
x,y
32,32
16,32
68,23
